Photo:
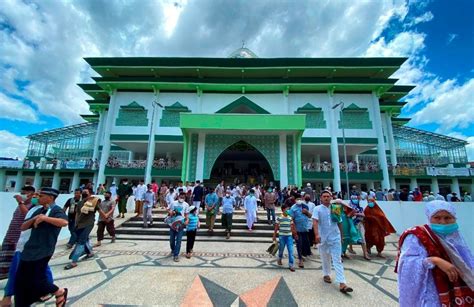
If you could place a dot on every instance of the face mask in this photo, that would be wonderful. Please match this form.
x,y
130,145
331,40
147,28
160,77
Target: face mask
x,y
34,201
371,205
181,200
355,201
107,198
441,229
227,195
125,182
23,197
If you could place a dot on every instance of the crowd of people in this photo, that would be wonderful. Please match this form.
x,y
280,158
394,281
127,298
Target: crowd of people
x,y
160,163
434,264
56,163
352,166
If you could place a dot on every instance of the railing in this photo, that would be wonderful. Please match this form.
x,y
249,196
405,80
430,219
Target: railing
x,y
158,164
409,171
327,167
49,165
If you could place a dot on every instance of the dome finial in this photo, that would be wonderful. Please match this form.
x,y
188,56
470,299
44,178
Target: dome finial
x,y
243,53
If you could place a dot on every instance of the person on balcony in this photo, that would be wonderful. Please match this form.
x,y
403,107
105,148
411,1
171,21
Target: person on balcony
x,y
124,191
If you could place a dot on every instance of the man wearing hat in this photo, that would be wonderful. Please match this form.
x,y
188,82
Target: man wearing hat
x,y
31,281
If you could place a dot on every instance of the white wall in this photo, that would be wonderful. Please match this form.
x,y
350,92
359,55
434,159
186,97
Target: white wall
x,y
404,215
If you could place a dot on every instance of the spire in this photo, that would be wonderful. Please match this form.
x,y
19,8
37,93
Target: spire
x,y
243,53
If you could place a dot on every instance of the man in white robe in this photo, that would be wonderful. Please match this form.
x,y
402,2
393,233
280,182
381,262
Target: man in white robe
x,y
250,206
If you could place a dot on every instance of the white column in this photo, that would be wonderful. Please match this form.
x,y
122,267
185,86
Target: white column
x,y
413,184
3,180
391,140
200,156
75,181
151,142
393,183
37,180
286,105
380,142
334,147
455,187
95,179
434,185
356,159
19,181
56,179
283,162
199,101
106,140
98,136
317,163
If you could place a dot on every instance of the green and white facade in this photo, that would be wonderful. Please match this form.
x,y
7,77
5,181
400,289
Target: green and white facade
x,y
191,110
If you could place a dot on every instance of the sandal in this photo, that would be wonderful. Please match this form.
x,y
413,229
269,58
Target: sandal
x,y
46,298
327,279
70,266
346,289
64,300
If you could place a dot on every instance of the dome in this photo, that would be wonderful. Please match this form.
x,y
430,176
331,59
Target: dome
x,y
243,53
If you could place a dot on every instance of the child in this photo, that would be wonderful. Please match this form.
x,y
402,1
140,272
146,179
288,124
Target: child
x,y
286,228
192,225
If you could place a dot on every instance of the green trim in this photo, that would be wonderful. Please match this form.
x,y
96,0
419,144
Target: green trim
x,y
113,147
242,122
128,137
166,172
299,175
184,166
243,101
290,146
349,141
142,137
193,157
168,138
233,62
124,171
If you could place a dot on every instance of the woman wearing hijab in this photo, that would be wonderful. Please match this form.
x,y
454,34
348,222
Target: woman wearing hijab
x,y
377,227
435,265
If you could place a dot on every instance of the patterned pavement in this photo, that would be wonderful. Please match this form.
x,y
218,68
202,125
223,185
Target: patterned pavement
x,y
138,273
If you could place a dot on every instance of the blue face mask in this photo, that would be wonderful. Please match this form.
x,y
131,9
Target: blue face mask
x,y
371,205
444,229
34,201
355,201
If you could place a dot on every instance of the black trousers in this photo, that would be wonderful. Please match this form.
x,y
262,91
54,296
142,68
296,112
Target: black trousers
x,y
32,282
101,226
190,238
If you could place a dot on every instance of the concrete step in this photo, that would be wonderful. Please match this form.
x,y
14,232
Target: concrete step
x,y
235,219
154,230
199,238
138,223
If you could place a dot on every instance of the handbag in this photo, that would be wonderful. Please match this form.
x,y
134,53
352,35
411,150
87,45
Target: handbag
x,y
273,248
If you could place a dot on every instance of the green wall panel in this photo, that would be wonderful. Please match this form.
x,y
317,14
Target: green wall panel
x,y
267,145
132,115
290,159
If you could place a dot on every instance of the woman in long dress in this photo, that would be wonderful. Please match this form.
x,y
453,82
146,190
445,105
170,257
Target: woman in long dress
x,y
435,265
377,227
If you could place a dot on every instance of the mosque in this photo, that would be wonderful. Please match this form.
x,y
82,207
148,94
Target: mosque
x,y
287,121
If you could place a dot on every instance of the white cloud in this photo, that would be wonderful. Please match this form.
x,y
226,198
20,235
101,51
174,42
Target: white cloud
x,y
451,37
12,146
451,109
14,109
428,16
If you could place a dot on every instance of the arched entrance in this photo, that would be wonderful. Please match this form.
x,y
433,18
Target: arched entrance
x,y
242,163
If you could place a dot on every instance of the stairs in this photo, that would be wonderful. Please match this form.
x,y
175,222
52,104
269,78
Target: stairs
x,y
159,231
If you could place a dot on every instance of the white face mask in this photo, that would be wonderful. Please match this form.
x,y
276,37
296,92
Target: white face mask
x,y
181,200
227,195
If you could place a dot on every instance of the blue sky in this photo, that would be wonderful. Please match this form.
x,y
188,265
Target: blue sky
x,y
42,44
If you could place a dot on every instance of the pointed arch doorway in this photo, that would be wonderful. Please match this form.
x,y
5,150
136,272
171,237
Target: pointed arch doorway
x,y
242,163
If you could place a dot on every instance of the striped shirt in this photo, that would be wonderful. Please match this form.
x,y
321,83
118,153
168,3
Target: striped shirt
x,y
193,222
284,223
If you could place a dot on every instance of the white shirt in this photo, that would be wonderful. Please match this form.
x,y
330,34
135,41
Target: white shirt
x,y
184,207
170,198
236,192
113,191
328,230
140,192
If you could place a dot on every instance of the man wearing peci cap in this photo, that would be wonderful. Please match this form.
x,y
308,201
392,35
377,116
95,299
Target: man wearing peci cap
x,y
32,282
